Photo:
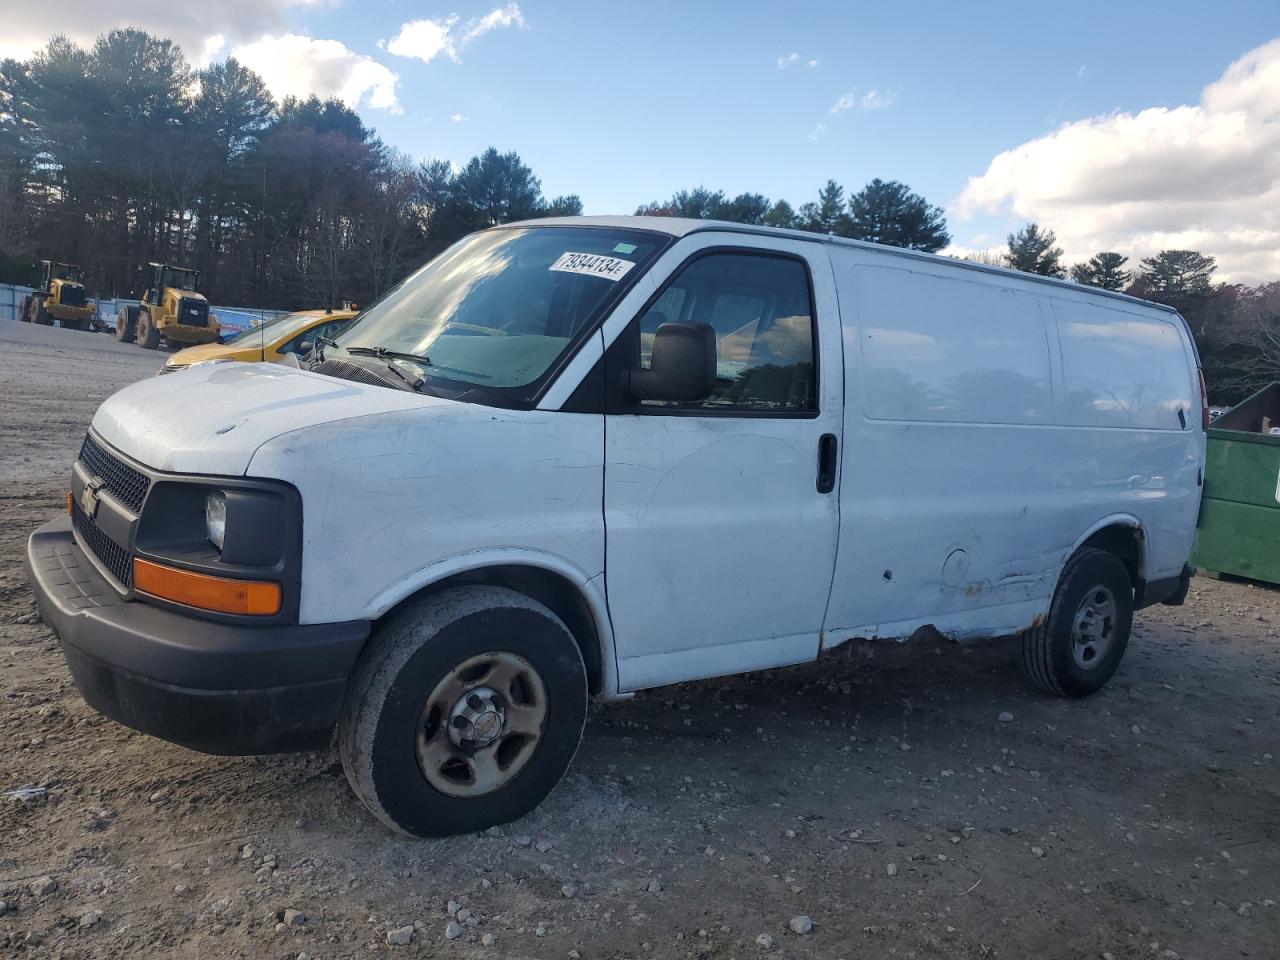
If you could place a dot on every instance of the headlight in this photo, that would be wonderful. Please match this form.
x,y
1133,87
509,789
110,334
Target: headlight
x,y
215,517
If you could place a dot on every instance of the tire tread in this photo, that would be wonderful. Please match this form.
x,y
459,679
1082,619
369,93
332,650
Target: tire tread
x,y
384,658
1037,643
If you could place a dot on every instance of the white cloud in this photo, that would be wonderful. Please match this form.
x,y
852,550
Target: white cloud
x,y
1203,176
427,39
459,117
508,16
876,100
1081,71
793,58
210,49
201,29
299,66
871,100
845,102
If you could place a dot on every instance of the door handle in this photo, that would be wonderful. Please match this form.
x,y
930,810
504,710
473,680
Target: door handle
x,y
827,448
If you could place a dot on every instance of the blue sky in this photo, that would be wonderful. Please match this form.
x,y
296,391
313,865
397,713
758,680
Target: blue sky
x,y
626,103
623,103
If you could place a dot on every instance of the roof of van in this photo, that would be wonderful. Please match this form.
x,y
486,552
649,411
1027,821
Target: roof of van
x,y
683,226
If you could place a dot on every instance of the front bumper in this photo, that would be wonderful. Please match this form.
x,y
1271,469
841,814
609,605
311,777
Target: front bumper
x,y
213,687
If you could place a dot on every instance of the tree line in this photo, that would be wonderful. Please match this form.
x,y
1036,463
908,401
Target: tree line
x,y
122,153
881,212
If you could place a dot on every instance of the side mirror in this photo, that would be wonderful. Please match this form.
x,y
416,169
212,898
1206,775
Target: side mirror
x,y
305,347
682,367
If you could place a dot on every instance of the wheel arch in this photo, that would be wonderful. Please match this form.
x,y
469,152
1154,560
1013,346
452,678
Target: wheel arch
x,y
1123,536
576,599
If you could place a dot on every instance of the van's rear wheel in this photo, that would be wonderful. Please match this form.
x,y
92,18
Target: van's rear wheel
x,y
1077,649
464,712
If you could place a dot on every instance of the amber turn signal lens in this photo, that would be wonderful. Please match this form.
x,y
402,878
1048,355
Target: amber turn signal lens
x,y
255,597
70,501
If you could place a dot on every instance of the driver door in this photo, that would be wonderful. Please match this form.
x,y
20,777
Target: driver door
x,y
722,515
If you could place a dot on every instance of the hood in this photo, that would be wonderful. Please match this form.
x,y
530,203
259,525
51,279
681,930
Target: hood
x,y
211,419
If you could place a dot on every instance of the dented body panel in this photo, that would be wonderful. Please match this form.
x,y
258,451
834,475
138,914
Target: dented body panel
x,y
980,453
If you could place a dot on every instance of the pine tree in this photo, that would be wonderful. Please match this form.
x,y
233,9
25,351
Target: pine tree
x,y
780,215
888,212
1179,273
1105,270
828,214
1032,250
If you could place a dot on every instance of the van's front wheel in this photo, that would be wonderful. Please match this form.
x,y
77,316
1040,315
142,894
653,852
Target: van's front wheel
x,y
464,712
1077,649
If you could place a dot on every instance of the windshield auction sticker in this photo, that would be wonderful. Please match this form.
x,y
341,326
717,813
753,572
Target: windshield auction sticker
x,y
593,265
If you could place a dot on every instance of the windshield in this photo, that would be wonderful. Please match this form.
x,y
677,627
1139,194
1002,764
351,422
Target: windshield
x,y
179,279
274,329
495,312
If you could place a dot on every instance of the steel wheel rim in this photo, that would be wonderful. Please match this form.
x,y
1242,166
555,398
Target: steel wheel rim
x,y
481,725
1093,628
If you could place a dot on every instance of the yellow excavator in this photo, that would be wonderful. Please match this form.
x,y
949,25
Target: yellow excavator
x,y
170,311
59,295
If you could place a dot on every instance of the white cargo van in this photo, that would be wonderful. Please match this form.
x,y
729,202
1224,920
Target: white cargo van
x,y
589,456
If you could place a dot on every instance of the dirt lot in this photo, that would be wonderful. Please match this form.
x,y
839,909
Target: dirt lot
x,y
878,792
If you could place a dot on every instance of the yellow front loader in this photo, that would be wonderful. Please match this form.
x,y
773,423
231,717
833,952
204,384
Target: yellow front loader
x,y
59,295
170,311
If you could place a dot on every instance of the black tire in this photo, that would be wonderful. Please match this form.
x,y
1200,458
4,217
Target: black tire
x,y
41,314
24,313
417,651
126,324
148,335
1052,657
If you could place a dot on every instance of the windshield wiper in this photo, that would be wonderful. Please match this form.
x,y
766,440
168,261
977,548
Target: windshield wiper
x,y
418,384
384,353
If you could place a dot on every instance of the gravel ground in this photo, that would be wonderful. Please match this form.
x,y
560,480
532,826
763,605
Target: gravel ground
x,y
912,801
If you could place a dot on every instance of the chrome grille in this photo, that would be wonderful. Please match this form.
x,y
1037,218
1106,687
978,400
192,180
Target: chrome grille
x,y
118,478
110,554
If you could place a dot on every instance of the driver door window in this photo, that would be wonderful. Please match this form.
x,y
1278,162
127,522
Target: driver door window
x,y
761,310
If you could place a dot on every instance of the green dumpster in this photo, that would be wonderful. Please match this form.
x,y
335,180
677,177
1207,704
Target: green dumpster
x,y
1239,528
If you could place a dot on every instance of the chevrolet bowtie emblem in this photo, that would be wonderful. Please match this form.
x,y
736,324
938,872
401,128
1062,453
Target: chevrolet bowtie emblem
x,y
89,497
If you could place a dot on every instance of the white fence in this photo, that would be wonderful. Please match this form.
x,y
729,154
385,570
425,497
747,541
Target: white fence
x,y
232,319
